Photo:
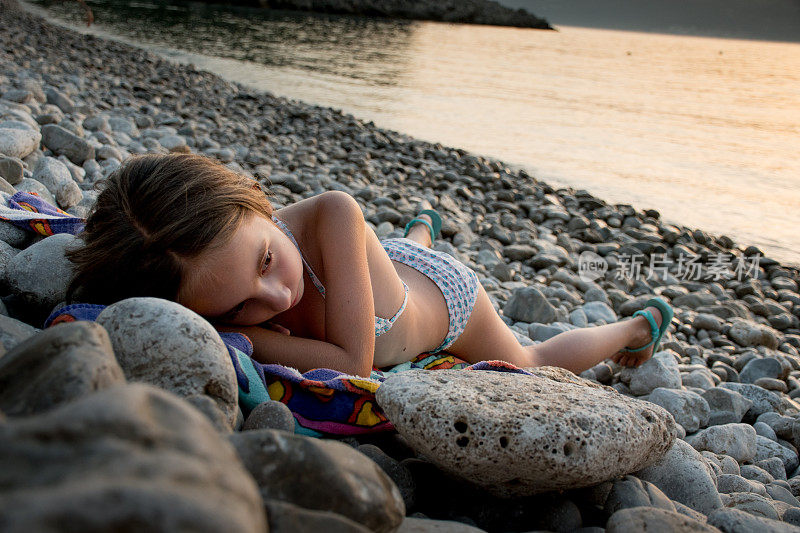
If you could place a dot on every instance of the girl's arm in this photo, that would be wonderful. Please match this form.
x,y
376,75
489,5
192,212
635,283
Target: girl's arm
x,y
349,307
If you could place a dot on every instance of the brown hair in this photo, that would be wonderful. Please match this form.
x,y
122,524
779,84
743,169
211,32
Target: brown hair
x,y
154,212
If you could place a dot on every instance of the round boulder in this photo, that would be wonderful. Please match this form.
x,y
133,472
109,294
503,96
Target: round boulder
x,y
41,272
320,475
56,366
129,457
517,434
165,344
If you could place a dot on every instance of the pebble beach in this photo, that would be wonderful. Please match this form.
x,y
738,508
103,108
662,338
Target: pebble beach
x,y
98,432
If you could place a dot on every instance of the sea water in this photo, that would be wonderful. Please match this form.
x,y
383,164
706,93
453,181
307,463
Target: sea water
x,y
704,129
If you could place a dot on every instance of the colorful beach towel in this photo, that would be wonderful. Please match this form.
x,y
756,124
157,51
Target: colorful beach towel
x,y
323,401
28,211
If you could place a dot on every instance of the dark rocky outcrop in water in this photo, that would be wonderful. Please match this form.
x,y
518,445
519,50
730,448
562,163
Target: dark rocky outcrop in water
x,y
466,11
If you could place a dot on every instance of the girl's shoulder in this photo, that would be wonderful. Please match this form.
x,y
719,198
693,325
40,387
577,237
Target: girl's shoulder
x,y
303,215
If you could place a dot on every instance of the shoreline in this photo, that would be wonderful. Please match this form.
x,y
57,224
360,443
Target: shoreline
x,y
551,259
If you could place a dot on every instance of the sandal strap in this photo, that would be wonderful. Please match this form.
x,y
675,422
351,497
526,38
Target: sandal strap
x,y
417,220
654,331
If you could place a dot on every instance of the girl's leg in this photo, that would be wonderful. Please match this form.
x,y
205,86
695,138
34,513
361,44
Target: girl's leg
x,y
487,337
420,232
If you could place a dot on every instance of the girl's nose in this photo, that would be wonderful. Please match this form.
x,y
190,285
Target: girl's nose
x,y
276,296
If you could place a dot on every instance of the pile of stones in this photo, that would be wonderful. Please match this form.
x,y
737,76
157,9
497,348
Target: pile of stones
x,y
105,424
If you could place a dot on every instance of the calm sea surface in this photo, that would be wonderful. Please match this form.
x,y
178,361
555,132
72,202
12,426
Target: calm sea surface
x,y
706,130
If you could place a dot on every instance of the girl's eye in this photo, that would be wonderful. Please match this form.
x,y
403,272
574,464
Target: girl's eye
x,y
266,263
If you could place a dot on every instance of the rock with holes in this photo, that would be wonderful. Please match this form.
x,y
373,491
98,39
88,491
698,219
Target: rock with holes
x,y
518,434
165,344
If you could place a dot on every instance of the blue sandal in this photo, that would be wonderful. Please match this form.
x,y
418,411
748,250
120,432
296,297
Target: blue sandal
x,y
436,228
655,331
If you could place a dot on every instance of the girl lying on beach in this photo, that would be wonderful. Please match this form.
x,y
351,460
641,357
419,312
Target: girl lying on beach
x,y
310,284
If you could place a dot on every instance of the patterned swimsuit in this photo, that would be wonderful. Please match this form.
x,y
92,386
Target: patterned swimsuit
x,y
458,283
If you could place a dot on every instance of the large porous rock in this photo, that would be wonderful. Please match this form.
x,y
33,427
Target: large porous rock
x,y
735,521
320,475
518,434
129,457
55,175
63,142
685,476
40,273
689,408
165,344
58,365
735,440
654,520
18,142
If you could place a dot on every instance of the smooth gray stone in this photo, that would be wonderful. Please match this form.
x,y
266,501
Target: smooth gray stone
x,y
766,448
59,99
599,311
40,273
284,517
768,367
64,142
32,186
13,332
128,455
631,491
468,424
654,520
757,473
13,236
397,472
684,476
320,475
735,440
270,415
11,169
776,492
773,465
424,525
55,175
736,521
764,401
661,370
213,413
765,431
528,304
727,406
748,333
753,503
728,483
689,408
58,365
142,332
18,143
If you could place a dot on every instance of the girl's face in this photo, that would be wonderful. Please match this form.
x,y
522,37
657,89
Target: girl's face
x,y
255,276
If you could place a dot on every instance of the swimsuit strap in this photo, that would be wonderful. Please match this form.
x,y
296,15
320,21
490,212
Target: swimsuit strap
x,y
382,325
314,279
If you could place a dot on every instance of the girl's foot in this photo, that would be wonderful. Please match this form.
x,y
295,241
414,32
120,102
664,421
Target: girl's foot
x,y
420,233
642,336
